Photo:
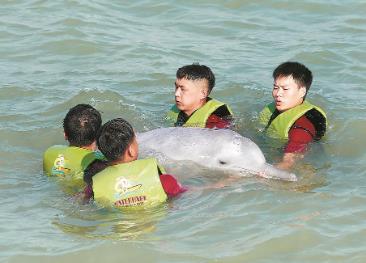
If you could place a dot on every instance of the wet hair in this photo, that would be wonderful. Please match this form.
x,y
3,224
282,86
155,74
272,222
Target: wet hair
x,y
300,73
197,72
81,125
114,138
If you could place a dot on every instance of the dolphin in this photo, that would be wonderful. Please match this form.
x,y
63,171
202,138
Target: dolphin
x,y
218,149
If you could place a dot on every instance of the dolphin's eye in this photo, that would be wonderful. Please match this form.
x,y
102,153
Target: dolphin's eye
x,y
222,162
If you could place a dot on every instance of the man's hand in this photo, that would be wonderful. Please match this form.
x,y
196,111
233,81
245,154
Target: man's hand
x,y
288,160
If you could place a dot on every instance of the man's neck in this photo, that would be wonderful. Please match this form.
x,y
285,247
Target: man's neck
x,y
189,113
123,160
90,147
292,107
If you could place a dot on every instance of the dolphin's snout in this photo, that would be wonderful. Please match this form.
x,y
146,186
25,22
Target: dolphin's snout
x,y
275,173
292,177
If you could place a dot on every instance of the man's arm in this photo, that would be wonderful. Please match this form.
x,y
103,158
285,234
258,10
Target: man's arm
x,y
171,185
93,168
300,135
288,160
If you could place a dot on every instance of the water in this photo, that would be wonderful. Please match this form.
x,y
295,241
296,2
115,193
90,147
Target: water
x,y
121,58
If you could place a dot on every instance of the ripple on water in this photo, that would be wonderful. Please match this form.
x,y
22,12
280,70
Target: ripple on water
x,y
122,58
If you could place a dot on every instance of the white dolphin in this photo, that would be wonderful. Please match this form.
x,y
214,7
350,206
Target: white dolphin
x,y
221,149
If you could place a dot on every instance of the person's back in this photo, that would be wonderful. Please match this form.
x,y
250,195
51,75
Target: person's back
x,y
63,161
193,107
81,125
128,184
124,181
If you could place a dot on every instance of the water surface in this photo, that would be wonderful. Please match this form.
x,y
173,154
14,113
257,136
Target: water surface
x,y
121,57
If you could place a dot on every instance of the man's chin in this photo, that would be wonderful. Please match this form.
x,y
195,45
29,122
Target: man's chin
x,y
179,106
280,109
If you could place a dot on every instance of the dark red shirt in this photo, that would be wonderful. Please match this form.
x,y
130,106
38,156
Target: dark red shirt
x,y
215,121
171,185
300,135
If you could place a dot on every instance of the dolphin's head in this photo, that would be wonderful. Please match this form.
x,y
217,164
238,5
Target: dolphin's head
x,y
236,153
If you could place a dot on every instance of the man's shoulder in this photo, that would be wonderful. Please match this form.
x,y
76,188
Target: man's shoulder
x,y
222,111
67,148
303,121
303,125
53,151
57,147
318,119
219,122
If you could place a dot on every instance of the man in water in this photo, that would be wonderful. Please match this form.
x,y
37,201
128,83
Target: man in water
x,y
290,116
123,180
81,125
193,107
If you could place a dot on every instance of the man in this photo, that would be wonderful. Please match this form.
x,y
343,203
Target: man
x,y
125,181
81,125
193,107
290,116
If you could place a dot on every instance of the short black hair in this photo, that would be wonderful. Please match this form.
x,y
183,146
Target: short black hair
x,y
114,138
81,125
197,72
299,72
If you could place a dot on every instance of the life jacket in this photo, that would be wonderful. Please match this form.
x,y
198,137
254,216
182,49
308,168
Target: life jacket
x,y
68,161
280,125
200,116
129,184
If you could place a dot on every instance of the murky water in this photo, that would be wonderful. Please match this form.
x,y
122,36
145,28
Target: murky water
x,y
121,58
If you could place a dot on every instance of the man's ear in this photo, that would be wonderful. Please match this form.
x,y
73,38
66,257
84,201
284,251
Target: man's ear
x,y
302,91
131,152
65,136
204,93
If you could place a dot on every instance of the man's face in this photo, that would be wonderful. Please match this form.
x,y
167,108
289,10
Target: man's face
x,y
190,94
286,93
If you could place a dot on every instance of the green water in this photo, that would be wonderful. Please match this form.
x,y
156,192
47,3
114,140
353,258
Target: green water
x,y
121,57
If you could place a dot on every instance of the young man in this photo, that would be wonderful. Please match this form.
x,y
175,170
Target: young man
x,y
193,107
124,181
290,116
81,126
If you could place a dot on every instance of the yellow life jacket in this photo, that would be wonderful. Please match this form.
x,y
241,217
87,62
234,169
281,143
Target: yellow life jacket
x,y
65,161
130,184
280,126
200,116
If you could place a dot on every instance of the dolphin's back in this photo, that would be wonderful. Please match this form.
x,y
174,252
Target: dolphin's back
x,y
198,144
